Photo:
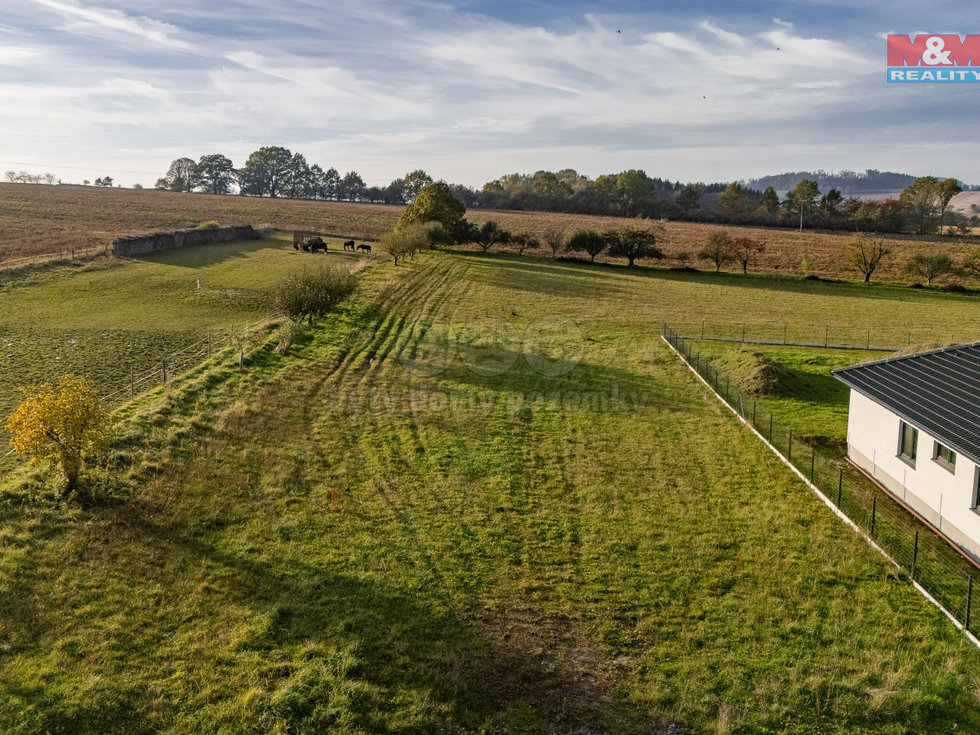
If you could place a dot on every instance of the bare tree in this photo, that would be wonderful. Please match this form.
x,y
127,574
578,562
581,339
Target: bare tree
x,y
865,254
930,266
554,238
743,249
718,249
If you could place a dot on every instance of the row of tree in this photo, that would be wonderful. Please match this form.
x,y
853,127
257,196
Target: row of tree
x,y
274,171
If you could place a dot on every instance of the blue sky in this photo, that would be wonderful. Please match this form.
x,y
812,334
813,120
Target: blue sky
x,y
472,90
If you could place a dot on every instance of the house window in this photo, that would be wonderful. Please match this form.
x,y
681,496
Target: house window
x,y
908,439
944,456
976,488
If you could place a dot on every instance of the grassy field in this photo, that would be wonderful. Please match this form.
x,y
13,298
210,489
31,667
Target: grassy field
x,y
108,318
484,497
36,218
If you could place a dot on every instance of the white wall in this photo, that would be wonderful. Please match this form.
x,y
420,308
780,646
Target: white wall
x,y
942,497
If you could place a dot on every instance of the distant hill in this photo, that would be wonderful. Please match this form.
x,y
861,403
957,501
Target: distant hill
x,y
870,183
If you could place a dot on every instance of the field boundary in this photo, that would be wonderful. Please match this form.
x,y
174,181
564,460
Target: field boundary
x,y
172,366
68,255
737,407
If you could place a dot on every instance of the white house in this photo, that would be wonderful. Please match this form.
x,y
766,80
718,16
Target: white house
x,y
914,426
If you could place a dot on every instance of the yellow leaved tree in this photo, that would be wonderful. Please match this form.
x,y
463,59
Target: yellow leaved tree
x,y
60,422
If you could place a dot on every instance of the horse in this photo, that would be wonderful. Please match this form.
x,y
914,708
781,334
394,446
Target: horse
x,y
365,248
317,244
349,245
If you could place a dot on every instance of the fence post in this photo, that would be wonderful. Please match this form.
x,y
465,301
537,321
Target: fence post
x,y
915,553
840,485
702,329
73,255
743,333
874,512
770,427
789,452
241,354
826,337
869,339
969,601
813,459
784,334
728,385
755,402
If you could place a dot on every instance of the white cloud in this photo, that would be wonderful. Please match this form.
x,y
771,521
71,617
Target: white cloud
x,y
158,32
385,87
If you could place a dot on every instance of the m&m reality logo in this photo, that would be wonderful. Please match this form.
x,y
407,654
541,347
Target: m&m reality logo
x,y
934,58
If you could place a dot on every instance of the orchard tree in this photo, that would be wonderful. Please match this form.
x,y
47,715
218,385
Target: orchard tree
x,y
214,174
718,250
743,249
864,254
62,422
634,243
554,238
490,234
588,241
525,241
181,175
802,198
930,266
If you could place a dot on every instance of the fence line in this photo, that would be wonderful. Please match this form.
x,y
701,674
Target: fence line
x,y
887,339
62,255
943,576
175,364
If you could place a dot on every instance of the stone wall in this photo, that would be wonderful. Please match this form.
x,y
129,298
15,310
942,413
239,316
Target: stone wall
x,y
157,241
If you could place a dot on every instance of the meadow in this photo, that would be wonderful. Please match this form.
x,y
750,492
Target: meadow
x,y
482,497
52,219
111,318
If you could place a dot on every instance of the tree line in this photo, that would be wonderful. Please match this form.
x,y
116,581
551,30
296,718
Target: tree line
x,y
277,172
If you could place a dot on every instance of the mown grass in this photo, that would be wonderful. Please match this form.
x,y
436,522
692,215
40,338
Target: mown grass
x,y
482,497
42,219
808,398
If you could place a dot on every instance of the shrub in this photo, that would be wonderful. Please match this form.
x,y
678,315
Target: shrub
x,y
62,423
930,266
312,292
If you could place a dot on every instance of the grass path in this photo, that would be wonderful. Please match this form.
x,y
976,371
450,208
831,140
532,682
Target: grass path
x,y
421,521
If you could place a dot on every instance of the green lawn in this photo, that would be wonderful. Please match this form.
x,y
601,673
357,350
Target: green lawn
x,y
483,497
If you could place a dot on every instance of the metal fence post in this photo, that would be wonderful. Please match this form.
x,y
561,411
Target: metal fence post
x,y
813,460
789,452
770,428
969,601
915,553
840,486
874,513
755,402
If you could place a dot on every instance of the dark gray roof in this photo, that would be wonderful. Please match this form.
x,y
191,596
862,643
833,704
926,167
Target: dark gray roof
x,y
938,392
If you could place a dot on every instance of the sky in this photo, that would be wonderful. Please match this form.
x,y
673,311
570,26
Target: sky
x,y
473,90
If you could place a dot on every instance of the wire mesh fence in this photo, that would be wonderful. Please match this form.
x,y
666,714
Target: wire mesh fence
x,y
169,368
69,255
888,338
923,554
